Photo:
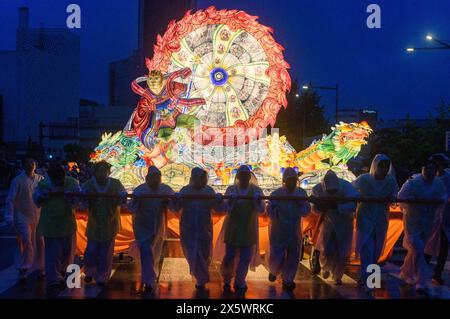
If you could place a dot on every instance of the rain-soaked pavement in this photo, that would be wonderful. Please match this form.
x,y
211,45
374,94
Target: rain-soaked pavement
x,y
175,281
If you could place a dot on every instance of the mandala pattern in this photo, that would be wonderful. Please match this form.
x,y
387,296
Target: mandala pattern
x,y
238,68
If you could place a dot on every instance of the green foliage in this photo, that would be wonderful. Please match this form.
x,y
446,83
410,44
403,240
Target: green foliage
x,y
303,117
410,146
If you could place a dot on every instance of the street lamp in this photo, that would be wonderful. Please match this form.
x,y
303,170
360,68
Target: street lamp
x,y
442,45
334,88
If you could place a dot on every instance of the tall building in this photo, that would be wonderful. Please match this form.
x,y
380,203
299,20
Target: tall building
x,y
154,16
39,81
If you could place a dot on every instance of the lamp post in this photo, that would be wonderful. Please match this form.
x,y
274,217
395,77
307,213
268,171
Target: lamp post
x,y
297,96
334,88
443,45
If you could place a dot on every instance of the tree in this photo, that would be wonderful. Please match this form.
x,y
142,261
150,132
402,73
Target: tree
x,y
303,117
409,146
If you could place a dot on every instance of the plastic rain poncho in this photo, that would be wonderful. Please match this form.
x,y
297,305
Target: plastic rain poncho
x,y
372,218
102,227
240,232
58,226
23,212
284,230
196,231
418,220
336,231
442,221
149,226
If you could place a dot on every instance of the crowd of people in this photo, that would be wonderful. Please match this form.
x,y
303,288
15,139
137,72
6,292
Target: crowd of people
x,y
81,171
46,226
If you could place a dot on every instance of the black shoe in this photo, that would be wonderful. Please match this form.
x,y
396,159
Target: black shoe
x,y
88,279
200,287
272,277
289,285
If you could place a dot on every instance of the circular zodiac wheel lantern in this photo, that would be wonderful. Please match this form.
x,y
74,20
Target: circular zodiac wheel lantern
x,y
220,69
237,67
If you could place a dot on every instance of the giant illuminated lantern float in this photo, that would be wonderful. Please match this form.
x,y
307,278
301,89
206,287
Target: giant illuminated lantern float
x,y
216,81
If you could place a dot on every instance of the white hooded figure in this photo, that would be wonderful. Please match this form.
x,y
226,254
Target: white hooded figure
x,y
284,230
196,230
418,220
149,224
240,229
373,218
438,243
23,214
103,223
336,231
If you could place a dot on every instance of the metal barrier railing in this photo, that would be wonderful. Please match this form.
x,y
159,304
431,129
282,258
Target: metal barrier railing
x,y
262,197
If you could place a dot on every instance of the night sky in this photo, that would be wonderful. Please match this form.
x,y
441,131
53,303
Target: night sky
x,y
326,42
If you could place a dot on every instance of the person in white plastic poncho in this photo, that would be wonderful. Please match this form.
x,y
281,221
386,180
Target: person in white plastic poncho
x,y
196,230
240,230
336,230
418,221
57,224
103,223
23,214
437,244
372,218
284,231
149,225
